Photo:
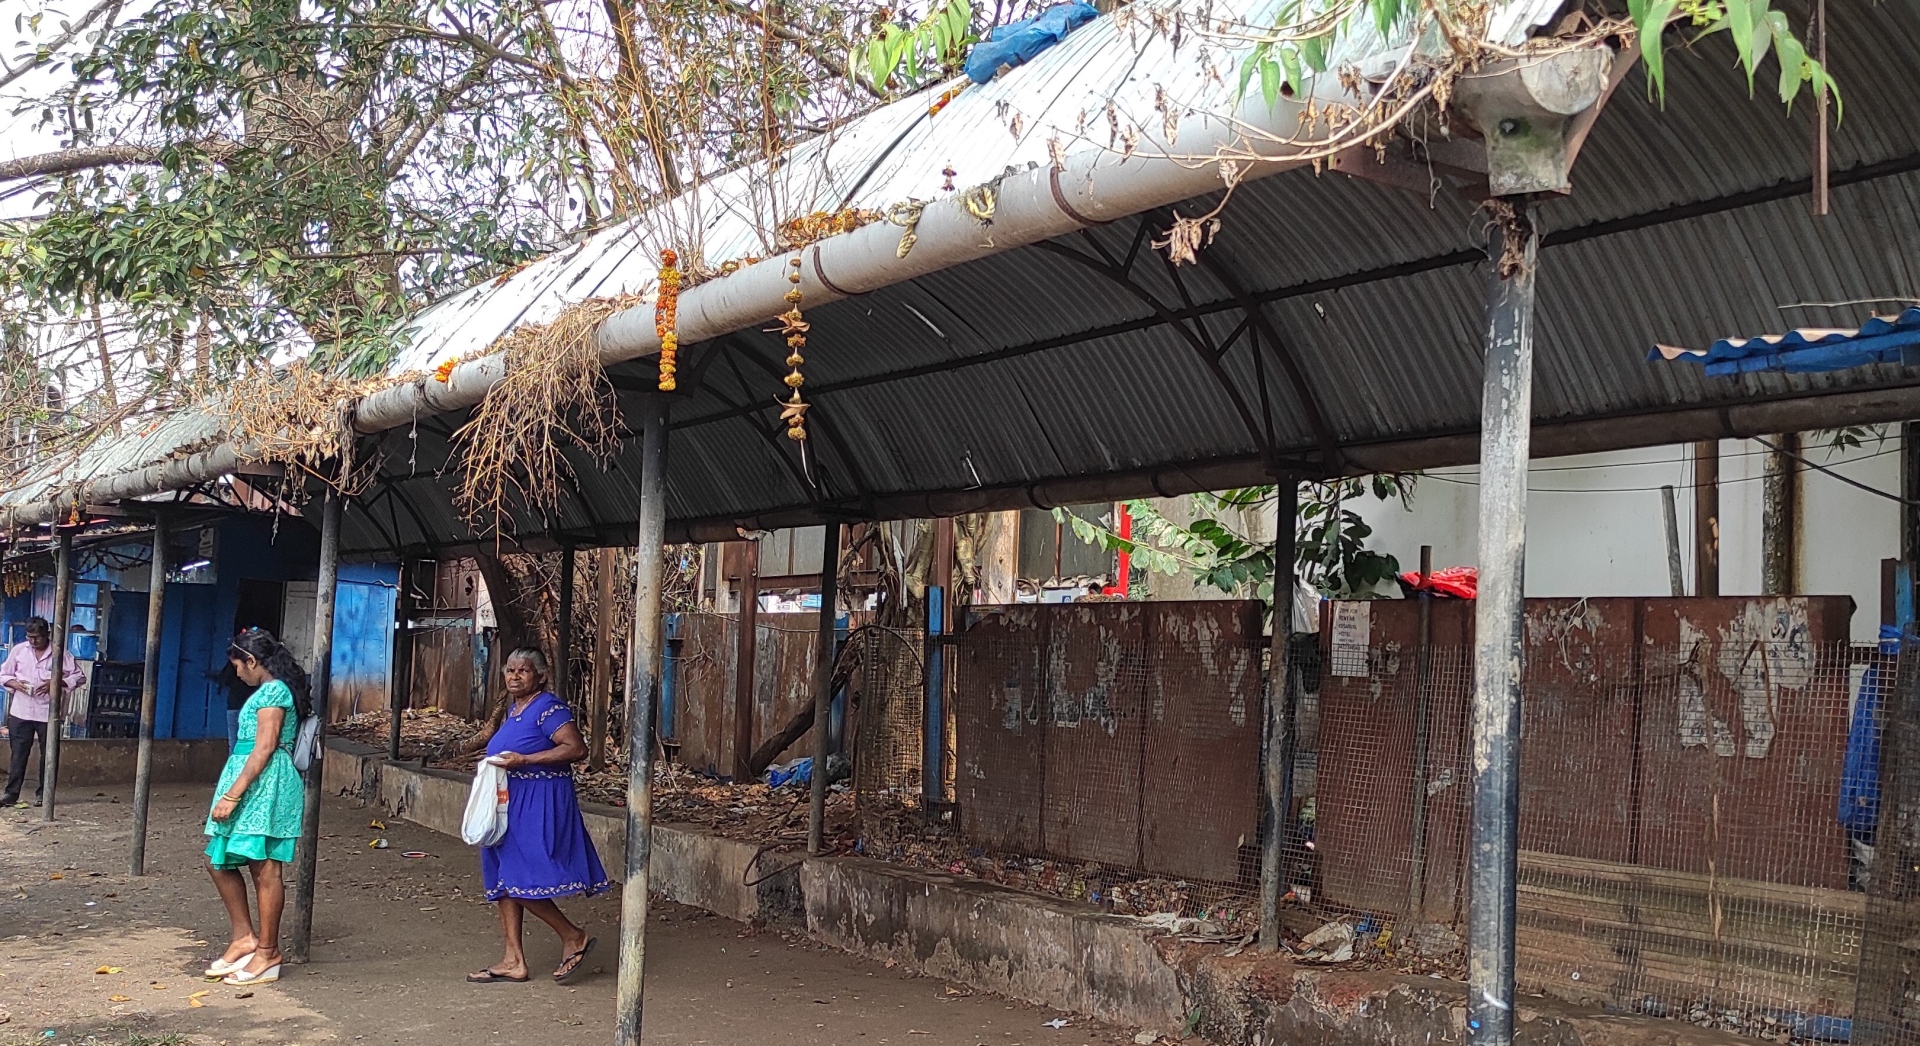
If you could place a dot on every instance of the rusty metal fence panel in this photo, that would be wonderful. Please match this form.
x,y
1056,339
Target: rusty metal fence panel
x,y
1123,736
705,656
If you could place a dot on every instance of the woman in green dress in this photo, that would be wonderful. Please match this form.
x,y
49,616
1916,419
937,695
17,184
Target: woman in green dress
x,y
258,807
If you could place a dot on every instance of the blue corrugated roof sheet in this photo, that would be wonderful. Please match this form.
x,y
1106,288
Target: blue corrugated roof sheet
x,y
1883,339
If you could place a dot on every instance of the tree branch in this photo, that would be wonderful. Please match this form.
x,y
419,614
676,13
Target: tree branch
x,y
806,41
44,54
94,157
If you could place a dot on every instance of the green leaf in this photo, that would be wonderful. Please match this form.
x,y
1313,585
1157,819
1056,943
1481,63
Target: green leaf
x,y
1653,46
1314,50
1249,65
1793,67
1290,64
878,65
1270,82
1385,13
1741,20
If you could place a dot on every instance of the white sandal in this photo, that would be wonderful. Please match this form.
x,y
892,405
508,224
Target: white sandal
x,y
221,967
241,976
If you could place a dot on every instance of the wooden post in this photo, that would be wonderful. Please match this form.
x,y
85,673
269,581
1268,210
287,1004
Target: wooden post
x,y
823,687
1676,574
1506,429
743,664
306,854
1276,742
643,694
1423,669
1780,518
149,695
1706,518
57,682
563,627
603,569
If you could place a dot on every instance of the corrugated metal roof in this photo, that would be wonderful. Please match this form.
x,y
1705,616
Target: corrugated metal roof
x,y
1031,377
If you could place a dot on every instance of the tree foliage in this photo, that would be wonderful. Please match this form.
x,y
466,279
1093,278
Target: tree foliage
x,y
1330,539
1294,47
271,172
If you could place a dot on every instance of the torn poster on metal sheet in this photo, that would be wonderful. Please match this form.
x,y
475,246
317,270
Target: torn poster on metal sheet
x,y
1761,653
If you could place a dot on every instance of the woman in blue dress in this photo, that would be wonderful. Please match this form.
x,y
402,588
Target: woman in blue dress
x,y
546,853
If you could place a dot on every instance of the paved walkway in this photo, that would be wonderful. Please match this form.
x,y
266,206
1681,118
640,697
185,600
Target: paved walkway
x,y
393,938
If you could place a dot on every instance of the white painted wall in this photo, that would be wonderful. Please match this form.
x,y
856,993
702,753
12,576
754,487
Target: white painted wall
x,y
1595,527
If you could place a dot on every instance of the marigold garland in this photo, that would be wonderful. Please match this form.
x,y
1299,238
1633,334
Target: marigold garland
x,y
794,327
665,316
444,372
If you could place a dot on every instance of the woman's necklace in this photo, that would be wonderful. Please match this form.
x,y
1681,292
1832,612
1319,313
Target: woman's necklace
x,y
522,710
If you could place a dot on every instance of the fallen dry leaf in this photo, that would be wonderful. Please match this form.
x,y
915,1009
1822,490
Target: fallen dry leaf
x,y
376,824
119,998
243,995
56,875
195,1003
157,986
109,969
201,994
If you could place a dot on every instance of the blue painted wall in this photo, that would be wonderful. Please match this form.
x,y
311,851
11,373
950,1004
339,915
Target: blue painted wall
x,y
198,624
362,638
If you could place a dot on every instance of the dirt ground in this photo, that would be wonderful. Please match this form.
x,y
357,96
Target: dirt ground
x,y
89,953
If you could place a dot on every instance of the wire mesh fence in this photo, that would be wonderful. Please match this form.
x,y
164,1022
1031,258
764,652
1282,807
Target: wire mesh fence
x,y
1696,814
888,719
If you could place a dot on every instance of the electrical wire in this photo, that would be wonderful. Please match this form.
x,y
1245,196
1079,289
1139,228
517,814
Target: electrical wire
x,y
1686,480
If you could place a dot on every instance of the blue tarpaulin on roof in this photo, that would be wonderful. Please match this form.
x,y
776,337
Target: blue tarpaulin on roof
x,y
1883,339
1017,42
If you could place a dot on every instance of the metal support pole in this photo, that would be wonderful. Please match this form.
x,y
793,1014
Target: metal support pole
x,y
149,695
1277,742
604,560
1676,574
643,695
563,627
743,664
823,687
401,672
933,752
1423,673
320,671
57,682
1499,613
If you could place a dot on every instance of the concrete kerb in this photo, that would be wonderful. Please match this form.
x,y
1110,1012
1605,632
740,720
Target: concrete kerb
x,y
1036,949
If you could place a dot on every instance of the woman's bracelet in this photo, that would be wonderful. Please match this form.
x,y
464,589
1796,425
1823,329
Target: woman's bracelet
x,y
234,798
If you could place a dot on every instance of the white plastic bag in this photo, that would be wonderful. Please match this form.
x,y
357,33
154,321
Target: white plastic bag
x,y
485,823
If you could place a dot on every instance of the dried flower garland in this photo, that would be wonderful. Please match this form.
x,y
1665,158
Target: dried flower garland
x,y
665,316
794,327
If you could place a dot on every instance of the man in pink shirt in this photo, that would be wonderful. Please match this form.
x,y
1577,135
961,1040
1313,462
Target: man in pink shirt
x,y
26,675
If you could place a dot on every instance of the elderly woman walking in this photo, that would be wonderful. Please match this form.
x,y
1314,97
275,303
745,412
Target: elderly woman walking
x,y
258,808
546,853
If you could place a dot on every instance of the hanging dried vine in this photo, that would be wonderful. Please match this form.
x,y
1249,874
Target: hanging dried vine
x,y
511,450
